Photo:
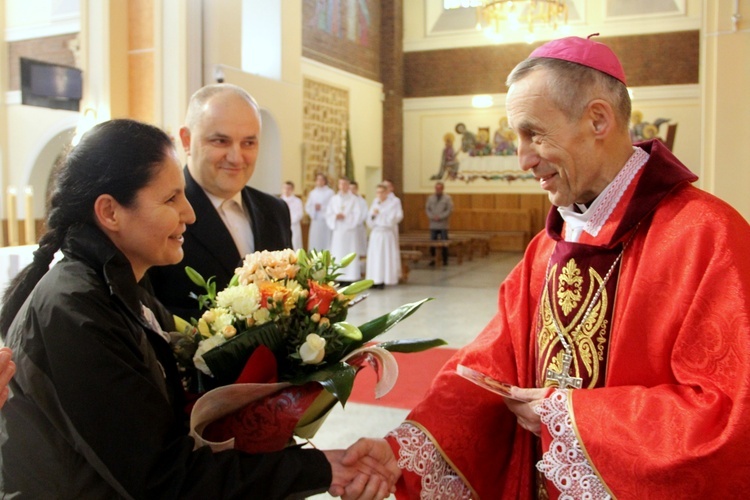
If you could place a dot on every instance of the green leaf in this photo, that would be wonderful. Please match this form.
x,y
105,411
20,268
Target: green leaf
x,y
337,379
382,324
411,345
195,277
227,360
234,281
357,287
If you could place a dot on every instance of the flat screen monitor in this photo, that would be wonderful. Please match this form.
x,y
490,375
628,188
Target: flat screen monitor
x,y
51,85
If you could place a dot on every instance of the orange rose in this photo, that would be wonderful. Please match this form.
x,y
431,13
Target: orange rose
x,y
321,295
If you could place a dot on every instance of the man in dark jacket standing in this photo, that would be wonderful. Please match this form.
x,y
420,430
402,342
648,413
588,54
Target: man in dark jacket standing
x,y
221,138
439,208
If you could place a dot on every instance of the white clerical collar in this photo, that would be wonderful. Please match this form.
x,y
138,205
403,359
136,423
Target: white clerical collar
x,y
593,218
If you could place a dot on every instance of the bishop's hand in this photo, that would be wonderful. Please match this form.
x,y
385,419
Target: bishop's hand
x,y
523,407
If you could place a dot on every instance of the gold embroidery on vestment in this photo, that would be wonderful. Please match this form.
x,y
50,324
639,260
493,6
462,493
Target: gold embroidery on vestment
x,y
589,341
569,285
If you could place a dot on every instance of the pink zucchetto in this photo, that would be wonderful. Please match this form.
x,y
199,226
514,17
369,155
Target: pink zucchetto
x,y
583,51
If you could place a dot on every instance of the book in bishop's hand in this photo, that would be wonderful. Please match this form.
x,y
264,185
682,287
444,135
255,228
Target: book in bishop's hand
x,y
486,382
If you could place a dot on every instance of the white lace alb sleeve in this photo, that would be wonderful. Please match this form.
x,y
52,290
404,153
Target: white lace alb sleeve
x,y
419,455
565,464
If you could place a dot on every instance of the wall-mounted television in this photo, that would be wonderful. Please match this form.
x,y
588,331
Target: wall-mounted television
x,y
51,85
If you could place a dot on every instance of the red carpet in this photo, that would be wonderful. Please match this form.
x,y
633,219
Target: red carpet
x,y
415,374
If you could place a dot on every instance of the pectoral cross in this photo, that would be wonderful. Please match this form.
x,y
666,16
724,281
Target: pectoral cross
x,y
564,379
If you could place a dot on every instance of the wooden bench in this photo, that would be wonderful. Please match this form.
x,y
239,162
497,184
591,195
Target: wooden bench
x,y
408,257
476,241
418,242
479,241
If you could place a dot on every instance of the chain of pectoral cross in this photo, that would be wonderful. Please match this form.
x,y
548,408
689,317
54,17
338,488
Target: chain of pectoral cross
x,y
563,378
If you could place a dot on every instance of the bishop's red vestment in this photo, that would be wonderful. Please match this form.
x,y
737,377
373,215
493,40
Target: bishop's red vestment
x,y
668,416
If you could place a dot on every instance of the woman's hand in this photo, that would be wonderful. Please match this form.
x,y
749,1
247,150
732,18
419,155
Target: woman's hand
x,y
367,470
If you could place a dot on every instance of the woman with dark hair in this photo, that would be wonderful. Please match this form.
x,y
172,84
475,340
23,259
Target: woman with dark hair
x,y
96,404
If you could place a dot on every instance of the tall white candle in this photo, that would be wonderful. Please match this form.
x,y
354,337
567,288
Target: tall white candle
x,y
12,218
29,223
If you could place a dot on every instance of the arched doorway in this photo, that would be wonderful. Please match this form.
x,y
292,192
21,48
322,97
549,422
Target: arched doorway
x,y
40,174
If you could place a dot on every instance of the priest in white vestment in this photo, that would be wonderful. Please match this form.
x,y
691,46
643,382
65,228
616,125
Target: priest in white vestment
x,y
399,215
362,229
383,253
319,235
344,215
296,212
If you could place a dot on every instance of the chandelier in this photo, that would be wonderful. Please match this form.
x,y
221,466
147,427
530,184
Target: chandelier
x,y
501,16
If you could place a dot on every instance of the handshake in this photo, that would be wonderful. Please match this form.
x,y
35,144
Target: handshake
x,y
368,469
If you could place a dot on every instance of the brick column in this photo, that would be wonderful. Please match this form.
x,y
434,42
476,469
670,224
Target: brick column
x,y
392,76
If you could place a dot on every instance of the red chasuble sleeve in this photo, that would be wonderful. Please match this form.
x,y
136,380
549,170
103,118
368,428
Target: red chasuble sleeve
x,y
672,421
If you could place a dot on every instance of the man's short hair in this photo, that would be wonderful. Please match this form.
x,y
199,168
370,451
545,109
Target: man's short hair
x,y
204,94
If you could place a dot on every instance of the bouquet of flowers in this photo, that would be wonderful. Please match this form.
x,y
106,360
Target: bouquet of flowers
x,y
276,352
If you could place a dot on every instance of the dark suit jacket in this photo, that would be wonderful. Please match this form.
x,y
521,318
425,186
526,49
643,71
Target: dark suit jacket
x,y
210,249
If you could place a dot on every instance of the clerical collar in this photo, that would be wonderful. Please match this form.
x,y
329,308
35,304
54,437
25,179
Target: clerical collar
x,y
592,219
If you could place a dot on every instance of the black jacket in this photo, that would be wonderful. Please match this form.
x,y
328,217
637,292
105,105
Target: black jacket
x,y
210,249
95,409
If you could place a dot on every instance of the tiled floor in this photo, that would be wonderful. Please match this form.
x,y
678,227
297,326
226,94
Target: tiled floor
x,y
465,300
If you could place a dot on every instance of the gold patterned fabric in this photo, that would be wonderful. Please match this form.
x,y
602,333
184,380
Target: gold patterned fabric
x,y
570,301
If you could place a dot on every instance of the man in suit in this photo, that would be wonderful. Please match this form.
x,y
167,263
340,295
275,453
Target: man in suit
x,y
221,138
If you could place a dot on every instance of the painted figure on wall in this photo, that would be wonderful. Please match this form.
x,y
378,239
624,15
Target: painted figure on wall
x,y
448,161
482,145
503,142
643,131
468,139
479,155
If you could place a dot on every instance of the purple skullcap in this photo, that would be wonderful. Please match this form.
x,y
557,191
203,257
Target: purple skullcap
x,y
583,51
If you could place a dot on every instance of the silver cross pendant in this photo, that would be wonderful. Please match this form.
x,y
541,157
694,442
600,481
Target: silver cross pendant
x,y
564,379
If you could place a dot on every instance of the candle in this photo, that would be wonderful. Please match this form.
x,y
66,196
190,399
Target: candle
x,y
29,222
12,220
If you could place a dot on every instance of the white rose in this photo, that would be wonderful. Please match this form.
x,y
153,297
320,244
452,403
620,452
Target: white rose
x,y
313,350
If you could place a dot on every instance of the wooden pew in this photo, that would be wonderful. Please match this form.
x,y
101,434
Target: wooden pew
x,y
418,242
407,257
